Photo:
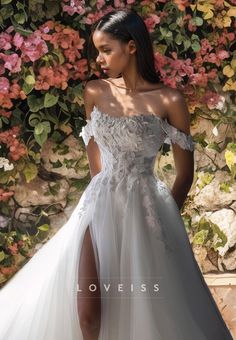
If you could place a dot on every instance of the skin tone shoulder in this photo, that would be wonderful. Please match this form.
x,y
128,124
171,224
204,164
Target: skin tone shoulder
x,y
128,93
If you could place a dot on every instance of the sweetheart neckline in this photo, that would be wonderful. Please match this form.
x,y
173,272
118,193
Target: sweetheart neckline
x,y
141,115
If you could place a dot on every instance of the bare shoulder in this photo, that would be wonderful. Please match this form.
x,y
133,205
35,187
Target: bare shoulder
x,y
176,108
92,91
172,96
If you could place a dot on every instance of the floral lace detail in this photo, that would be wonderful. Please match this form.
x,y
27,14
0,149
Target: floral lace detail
x,y
86,132
90,195
152,217
163,188
184,140
171,133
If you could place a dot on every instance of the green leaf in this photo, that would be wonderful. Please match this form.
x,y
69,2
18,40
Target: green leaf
x,y
27,88
20,6
225,186
20,18
39,128
205,179
196,21
35,103
200,237
5,2
173,26
187,44
214,146
41,131
2,256
63,106
200,138
60,56
166,33
56,164
179,39
7,11
41,139
44,227
196,46
2,238
34,119
50,100
42,127
233,64
53,189
30,172
30,80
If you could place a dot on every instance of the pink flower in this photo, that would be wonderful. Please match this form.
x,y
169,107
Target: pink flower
x,y
213,100
8,271
4,85
47,26
93,17
100,3
118,4
5,41
182,4
225,37
80,69
4,113
2,69
16,91
18,40
198,61
199,78
205,46
56,76
13,248
211,58
4,196
160,60
16,149
33,47
222,54
12,62
76,6
219,4
151,21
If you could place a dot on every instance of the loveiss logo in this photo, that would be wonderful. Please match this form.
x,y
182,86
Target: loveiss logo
x,y
116,288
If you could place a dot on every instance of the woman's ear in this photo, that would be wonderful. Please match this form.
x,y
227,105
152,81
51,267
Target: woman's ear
x,y
132,47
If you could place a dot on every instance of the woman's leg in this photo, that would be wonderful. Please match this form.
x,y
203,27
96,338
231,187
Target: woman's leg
x,y
89,301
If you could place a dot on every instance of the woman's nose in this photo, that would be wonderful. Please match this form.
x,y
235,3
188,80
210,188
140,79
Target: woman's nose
x,y
98,59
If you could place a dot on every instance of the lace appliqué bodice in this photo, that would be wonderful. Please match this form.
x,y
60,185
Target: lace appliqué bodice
x,y
128,148
169,133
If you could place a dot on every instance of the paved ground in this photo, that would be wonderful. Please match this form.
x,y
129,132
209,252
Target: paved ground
x,y
223,289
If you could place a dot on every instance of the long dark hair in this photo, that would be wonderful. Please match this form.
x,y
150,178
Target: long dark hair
x,y
125,25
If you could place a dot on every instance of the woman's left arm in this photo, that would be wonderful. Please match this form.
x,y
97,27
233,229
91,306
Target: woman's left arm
x,y
179,117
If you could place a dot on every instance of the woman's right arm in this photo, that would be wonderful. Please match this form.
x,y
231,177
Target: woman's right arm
x,y
92,148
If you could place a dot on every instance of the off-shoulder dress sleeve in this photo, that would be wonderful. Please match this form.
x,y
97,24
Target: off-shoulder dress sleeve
x,y
174,135
87,132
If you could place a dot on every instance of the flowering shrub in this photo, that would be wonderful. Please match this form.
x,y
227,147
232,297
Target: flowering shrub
x,y
43,63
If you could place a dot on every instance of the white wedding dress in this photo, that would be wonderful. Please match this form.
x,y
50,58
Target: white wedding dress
x,y
151,285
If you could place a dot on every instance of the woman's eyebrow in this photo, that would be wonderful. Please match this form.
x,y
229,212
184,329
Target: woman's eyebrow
x,y
104,45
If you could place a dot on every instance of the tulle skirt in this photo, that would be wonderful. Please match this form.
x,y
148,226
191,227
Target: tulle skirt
x,y
151,285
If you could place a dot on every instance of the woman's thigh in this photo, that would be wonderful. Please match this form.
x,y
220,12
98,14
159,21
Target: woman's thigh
x,y
89,297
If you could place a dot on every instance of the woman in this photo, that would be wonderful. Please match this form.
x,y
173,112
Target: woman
x,y
124,249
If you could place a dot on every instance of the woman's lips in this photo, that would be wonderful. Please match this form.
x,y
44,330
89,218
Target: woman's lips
x,y
105,69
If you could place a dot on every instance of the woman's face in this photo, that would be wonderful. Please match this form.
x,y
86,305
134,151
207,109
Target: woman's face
x,y
113,55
